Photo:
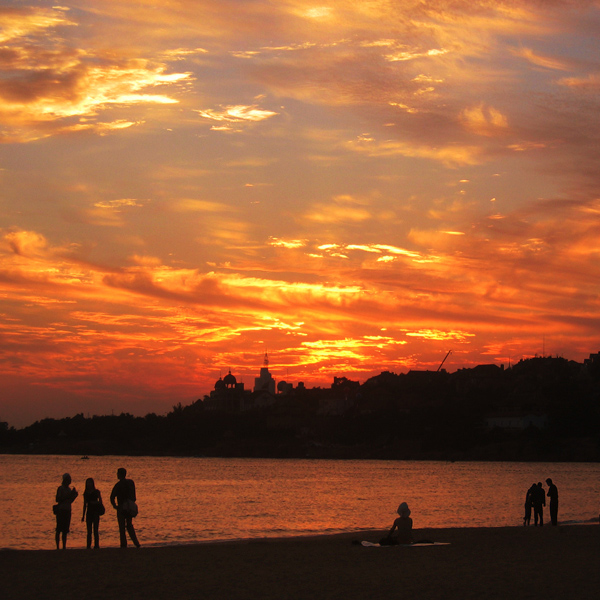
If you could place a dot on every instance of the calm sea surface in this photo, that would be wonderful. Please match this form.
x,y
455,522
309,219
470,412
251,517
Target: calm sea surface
x,y
186,500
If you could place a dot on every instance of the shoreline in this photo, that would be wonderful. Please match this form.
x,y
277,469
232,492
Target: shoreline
x,y
368,534
491,562
358,534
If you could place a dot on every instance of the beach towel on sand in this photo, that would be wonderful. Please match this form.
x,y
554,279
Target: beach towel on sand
x,y
416,545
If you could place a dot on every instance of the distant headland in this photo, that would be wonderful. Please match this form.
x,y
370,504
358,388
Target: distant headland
x,y
540,409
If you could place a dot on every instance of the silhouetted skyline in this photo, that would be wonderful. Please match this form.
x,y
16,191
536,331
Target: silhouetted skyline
x,y
543,409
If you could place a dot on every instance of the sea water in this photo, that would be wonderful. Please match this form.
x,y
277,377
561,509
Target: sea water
x,y
189,500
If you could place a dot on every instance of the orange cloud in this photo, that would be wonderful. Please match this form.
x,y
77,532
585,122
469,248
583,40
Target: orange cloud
x,y
345,221
548,62
590,82
46,81
485,120
237,114
22,22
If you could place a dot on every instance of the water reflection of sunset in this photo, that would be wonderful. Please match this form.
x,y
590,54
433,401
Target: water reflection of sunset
x,y
354,187
225,499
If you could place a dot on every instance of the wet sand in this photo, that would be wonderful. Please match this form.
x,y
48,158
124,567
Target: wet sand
x,y
507,563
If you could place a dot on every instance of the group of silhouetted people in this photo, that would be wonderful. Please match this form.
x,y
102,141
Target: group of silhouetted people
x,y
535,500
122,498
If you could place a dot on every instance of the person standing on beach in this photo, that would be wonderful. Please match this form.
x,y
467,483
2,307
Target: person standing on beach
x,y
529,496
122,493
65,496
553,495
539,501
92,505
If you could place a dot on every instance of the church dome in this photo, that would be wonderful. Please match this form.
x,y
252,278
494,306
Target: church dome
x,y
229,380
220,384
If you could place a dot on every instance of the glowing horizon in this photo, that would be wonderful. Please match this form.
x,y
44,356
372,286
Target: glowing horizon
x,y
355,188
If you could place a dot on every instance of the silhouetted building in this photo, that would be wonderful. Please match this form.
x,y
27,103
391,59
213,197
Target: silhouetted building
x,y
592,365
228,395
283,387
265,382
341,399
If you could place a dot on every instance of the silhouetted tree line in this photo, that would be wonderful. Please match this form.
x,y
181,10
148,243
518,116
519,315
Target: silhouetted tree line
x,y
416,415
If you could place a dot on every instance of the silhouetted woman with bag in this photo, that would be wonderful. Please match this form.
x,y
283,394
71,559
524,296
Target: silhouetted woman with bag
x,y
92,504
65,495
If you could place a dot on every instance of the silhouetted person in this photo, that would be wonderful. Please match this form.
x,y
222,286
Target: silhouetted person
x,y
539,501
529,496
401,531
123,491
553,495
92,511
64,498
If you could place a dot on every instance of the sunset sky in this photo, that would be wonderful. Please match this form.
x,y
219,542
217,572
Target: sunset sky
x,y
352,187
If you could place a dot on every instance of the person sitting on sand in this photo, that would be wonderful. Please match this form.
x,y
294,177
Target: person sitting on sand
x,y
401,531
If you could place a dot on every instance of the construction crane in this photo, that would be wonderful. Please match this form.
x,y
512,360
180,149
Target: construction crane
x,y
445,357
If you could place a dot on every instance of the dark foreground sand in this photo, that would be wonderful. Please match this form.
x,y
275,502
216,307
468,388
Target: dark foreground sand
x,y
506,563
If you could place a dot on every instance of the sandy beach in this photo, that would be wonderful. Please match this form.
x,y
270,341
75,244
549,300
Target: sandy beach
x,y
507,563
